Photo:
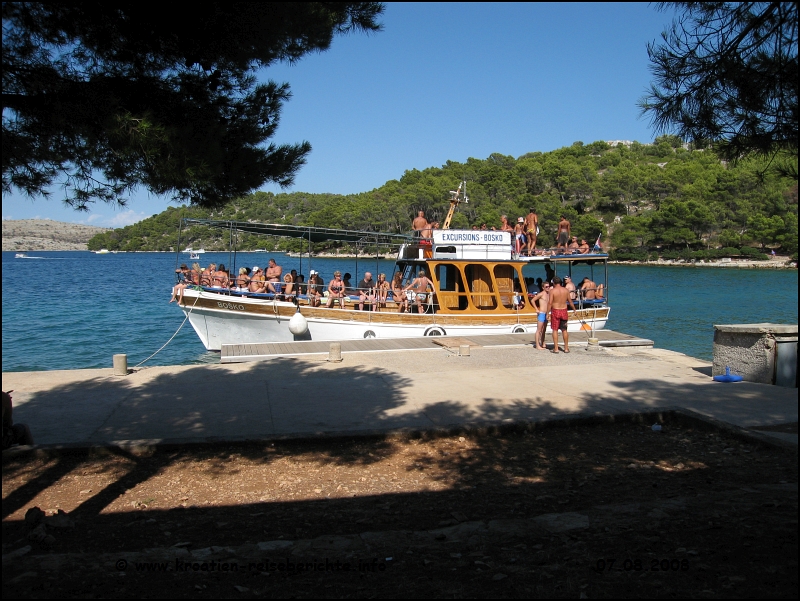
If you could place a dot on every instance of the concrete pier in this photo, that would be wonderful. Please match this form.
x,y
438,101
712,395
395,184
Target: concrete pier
x,y
379,392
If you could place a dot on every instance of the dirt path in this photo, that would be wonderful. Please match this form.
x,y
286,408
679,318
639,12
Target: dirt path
x,y
614,510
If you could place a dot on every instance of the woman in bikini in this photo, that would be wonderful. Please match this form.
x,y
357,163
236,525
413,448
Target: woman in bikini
x,y
336,290
382,289
399,294
289,291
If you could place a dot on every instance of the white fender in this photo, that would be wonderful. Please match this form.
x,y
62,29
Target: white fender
x,y
298,324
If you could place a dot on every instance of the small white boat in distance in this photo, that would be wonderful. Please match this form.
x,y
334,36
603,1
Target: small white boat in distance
x,y
189,250
194,256
20,256
102,251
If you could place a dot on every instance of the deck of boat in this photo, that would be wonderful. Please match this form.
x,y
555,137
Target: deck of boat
x,y
240,353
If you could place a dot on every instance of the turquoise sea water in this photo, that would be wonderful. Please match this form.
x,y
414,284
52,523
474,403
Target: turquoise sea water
x,y
74,310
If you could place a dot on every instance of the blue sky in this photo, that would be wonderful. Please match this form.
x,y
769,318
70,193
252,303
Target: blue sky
x,y
445,82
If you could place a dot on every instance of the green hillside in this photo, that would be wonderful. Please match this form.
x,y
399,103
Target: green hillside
x,y
659,197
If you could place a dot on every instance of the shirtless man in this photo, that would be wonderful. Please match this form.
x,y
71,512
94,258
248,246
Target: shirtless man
x,y
570,286
505,226
273,275
573,245
563,233
583,248
531,227
541,301
559,297
220,278
588,289
420,287
420,225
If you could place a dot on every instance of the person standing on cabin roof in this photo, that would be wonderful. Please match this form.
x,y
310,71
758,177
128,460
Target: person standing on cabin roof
x,y
519,235
531,230
563,234
559,297
420,224
505,226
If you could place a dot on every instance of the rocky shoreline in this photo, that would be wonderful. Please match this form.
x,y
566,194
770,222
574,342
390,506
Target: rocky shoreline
x,y
43,234
776,263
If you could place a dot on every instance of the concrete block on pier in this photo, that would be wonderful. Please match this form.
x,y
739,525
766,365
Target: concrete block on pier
x,y
759,352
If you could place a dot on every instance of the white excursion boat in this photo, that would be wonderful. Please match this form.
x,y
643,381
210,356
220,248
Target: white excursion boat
x,y
102,251
480,286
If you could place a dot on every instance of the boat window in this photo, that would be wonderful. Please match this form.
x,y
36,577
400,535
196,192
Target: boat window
x,y
452,294
480,283
504,276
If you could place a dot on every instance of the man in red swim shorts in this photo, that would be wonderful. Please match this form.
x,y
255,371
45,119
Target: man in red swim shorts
x,y
559,297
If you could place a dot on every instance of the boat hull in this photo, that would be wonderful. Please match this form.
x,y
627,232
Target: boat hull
x,y
224,319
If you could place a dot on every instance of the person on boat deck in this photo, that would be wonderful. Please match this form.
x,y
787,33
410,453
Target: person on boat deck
x,y
257,280
366,291
570,286
336,290
531,227
194,274
314,289
289,287
184,281
399,295
273,275
559,297
348,285
220,278
505,226
540,302
206,277
382,290
242,281
519,235
419,224
549,273
573,245
300,282
13,433
420,287
483,227
588,289
563,233
583,248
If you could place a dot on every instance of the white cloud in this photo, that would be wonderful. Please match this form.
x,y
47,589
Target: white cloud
x,y
122,219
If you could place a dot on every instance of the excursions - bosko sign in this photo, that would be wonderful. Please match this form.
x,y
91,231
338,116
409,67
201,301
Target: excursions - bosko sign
x,y
469,237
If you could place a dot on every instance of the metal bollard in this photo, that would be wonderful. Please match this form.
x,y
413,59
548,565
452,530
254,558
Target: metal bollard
x,y
335,352
120,365
463,350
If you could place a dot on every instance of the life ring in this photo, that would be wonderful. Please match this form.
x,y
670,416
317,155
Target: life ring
x,y
518,329
435,331
369,334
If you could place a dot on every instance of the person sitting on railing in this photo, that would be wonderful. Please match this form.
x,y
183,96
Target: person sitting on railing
x,y
400,297
242,280
207,275
314,289
382,290
258,281
220,279
574,247
289,288
570,286
184,280
420,287
366,291
336,290
588,289
599,292
584,248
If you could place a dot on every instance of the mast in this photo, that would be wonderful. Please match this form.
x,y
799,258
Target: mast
x,y
455,200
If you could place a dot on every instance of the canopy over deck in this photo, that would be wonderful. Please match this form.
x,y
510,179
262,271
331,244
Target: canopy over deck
x,y
310,233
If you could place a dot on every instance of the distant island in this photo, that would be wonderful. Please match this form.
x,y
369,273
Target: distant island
x,y
44,234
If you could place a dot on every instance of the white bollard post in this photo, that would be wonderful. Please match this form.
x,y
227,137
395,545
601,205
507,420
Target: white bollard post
x,y
120,365
335,352
463,350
